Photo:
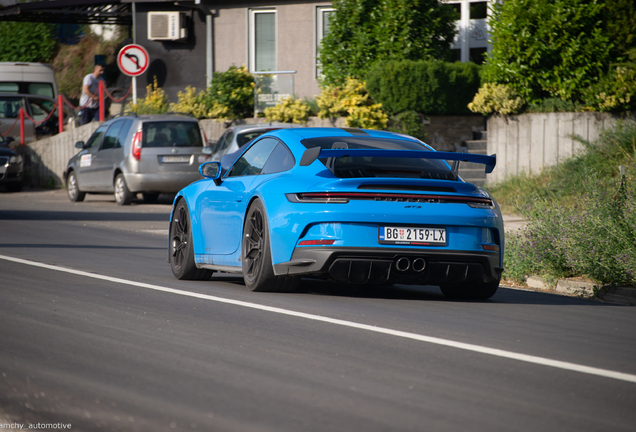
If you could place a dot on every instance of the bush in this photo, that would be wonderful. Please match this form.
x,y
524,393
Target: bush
x,y
230,94
352,102
408,123
550,49
26,42
288,110
191,103
496,99
427,87
155,102
596,240
616,91
364,31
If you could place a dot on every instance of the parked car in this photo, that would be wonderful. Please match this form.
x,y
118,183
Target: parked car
x,y
348,205
126,155
11,173
237,136
28,78
39,108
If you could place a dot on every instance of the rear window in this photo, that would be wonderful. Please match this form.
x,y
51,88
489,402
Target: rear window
x,y
171,134
356,167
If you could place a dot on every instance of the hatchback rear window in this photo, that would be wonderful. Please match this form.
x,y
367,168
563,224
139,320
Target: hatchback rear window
x,y
171,134
355,167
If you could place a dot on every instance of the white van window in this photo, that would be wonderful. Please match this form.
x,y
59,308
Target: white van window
x,y
41,89
9,87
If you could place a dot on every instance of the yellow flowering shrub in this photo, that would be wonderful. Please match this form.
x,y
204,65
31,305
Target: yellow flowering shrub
x,y
155,102
191,103
496,99
288,110
352,102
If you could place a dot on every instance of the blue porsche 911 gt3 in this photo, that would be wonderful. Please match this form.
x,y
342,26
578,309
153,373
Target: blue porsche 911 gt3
x,y
347,205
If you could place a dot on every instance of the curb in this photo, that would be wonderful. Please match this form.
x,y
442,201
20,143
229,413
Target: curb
x,y
619,295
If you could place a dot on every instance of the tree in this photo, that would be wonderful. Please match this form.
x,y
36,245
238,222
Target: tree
x,y
557,49
26,42
365,31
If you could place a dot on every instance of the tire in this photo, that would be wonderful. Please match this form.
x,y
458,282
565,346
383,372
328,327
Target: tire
x,y
72,188
180,247
471,290
150,197
123,196
256,256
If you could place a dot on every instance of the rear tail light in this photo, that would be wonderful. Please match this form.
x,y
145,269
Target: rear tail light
x,y
345,197
136,145
316,242
205,137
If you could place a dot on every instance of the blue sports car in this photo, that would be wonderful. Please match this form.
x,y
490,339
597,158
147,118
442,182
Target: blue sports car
x,y
346,205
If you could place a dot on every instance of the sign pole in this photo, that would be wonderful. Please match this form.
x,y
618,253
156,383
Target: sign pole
x,y
134,90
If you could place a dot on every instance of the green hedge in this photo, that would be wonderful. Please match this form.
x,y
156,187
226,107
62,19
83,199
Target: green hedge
x,y
427,87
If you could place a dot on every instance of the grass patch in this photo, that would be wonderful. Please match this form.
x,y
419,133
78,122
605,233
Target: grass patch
x,y
581,214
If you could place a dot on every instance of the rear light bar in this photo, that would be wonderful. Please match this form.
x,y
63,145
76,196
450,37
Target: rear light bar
x,y
345,197
316,243
136,145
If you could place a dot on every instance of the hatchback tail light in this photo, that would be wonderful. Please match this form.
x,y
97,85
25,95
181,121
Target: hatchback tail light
x,y
205,138
136,145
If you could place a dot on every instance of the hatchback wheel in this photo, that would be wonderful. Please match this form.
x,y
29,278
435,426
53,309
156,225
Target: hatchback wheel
x,y
123,196
72,188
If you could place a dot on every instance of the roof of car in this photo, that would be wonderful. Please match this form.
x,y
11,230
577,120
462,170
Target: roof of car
x,y
156,117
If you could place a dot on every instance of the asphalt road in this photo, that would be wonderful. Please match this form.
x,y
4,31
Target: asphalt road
x,y
96,333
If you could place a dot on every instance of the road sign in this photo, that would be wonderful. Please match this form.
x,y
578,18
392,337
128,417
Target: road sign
x,y
133,60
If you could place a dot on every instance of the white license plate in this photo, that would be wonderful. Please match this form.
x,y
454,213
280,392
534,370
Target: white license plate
x,y
175,159
422,236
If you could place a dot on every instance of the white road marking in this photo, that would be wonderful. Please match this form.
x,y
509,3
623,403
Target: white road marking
x,y
418,337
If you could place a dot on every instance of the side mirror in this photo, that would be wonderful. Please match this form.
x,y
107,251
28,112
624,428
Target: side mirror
x,y
211,170
79,144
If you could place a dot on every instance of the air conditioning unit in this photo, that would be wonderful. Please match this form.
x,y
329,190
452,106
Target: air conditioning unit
x,y
167,26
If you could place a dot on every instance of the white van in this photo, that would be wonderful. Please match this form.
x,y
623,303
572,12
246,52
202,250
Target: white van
x,y
28,78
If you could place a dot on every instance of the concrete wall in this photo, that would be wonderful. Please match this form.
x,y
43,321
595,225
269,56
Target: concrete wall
x,y
527,143
45,160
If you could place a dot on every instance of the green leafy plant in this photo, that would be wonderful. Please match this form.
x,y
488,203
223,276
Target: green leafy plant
x,y
364,31
230,94
550,49
352,101
408,123
496,99
289,110
26,42
616,91
427,87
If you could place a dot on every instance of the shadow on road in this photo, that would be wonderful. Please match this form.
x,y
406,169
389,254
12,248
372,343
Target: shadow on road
x,y
43,215
419,293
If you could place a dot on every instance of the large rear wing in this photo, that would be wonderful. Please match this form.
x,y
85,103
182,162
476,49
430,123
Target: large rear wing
x,y
313,153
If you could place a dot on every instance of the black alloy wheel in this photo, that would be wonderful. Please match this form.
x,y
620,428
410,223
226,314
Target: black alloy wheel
x,y
181,250
256,258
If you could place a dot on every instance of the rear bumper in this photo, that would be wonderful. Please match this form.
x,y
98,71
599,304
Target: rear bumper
x,y
378,265
161,182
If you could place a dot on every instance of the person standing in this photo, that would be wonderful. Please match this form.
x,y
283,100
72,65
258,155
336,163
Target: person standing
x,y
90,94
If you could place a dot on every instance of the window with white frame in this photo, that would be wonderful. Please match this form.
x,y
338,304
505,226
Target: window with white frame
x,y
262,40
323,15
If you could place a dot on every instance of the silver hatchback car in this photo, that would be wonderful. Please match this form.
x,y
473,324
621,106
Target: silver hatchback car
x,y
151,154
